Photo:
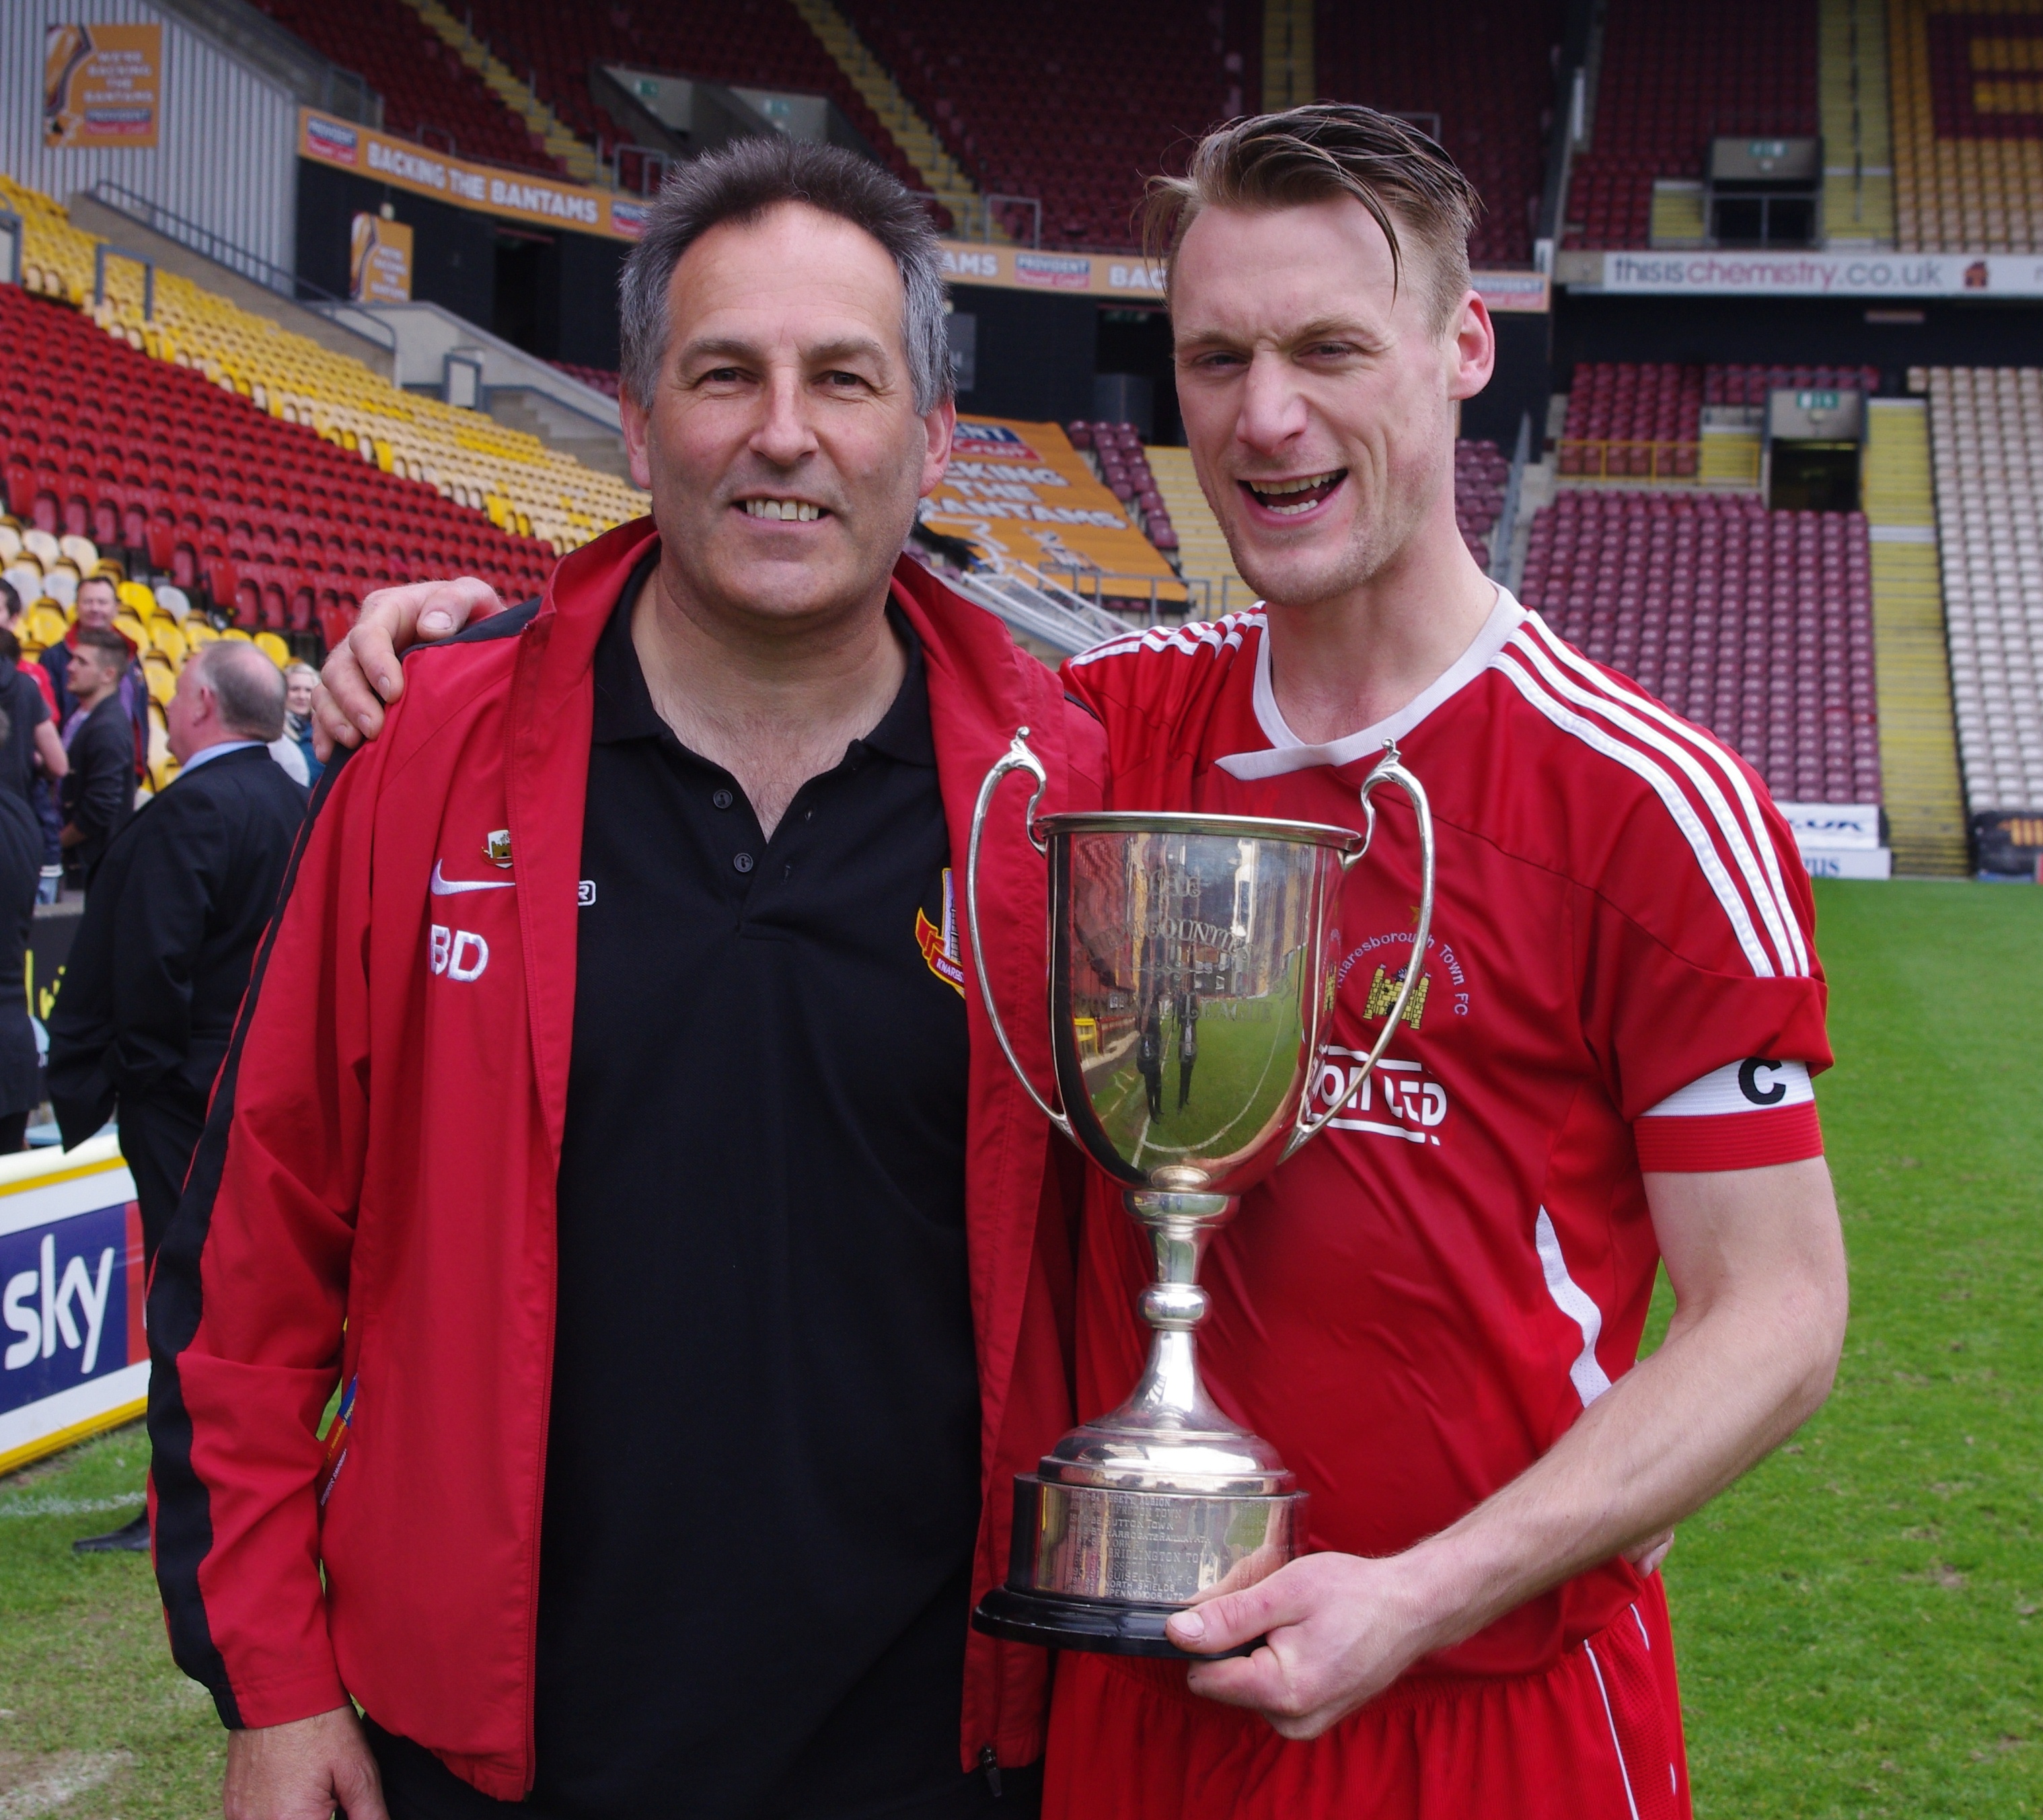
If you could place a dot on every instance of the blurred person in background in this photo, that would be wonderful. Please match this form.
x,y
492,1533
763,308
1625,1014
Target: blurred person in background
x,y
43,787
21,873
98,604
99,788
300,680
163,950
32,743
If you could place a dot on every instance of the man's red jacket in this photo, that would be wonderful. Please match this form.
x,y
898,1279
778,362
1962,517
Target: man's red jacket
x,y
373,1203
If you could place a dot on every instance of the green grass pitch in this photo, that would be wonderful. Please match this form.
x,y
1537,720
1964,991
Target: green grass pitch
x,y
1859,1621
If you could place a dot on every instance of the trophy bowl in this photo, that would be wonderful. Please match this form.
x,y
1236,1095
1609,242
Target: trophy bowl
x,y
1190,978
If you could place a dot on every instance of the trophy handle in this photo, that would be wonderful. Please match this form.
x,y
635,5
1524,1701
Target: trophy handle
x,y
1388,769
1016,757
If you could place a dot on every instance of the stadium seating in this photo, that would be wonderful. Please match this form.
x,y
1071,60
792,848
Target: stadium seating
x,y
1482,471
1968,128
1065,102
1644,422
599,378
1115,451
1485,71
1674,76
1986,430
428,93
110,451
524,486
1756,624
755,44
1633,422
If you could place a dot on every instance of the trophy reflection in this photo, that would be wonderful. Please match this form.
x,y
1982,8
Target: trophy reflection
x,y
1190,983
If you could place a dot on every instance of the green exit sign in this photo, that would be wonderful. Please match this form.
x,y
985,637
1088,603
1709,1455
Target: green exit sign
x,y
1816,400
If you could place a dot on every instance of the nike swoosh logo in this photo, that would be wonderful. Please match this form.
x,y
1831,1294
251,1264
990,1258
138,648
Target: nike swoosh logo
x,y
449,887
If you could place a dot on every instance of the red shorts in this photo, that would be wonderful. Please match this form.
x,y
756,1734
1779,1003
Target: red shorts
x,y
1596,1737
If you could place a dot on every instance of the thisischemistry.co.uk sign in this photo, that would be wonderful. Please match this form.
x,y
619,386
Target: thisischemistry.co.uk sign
x,y
1868,274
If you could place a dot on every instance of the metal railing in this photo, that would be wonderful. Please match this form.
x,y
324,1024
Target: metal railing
x,y
103,250
1625,459
652,163
995,203
1101,586
243,263
973,217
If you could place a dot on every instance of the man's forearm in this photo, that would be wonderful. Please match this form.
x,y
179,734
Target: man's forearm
x,y
1724,1390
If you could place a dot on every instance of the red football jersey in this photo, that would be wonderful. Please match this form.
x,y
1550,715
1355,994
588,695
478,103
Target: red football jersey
x,y
1621,972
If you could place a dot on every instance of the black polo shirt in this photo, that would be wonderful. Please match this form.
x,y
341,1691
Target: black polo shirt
x,y
762,1475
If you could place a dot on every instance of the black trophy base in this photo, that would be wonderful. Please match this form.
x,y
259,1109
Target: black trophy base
x,y
1056,1622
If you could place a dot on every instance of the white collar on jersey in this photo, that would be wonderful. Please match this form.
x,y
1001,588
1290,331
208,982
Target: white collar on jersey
x,y
1287,752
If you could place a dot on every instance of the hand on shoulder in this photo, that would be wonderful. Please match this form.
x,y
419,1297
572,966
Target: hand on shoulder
x,y
362,674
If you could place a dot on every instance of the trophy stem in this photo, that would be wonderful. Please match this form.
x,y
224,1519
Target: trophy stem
x,y
1169,1393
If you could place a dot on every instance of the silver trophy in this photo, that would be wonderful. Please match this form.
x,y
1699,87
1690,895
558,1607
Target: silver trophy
x,y
1190,980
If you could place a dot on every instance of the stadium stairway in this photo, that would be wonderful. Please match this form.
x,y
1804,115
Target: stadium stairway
x,y
941,174
1289,77
1202,552
576,159
1918,736
1851,105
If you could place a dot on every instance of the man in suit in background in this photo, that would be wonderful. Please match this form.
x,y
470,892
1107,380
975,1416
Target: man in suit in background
x,y
99,793
163,950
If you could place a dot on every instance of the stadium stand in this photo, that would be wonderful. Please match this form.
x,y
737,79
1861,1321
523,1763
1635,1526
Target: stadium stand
x,y
429,93
1968,127
125,457
1071,103
1115,451
1986,429
1673,77
1201,555
1482,473
758,44
1633,422
1755,625
598,378
1628,421
1481,75
521,485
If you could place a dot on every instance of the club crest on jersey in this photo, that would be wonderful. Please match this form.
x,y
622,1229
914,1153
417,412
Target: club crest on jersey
x,y
940,945
1383,994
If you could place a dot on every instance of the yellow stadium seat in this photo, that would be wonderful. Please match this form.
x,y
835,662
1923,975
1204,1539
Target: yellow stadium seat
x,y
197,632
236,632
139,597
132,629
161,678
164,634
273,648
45,624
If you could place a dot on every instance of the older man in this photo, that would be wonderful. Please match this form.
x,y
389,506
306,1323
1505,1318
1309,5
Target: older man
x,y
162,952
692,1266
1435,1312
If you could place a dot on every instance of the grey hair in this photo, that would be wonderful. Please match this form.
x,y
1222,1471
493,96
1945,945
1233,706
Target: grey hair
x,y
740,182
247,686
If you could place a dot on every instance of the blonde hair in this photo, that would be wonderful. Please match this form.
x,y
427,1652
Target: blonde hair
x,y
1315,154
